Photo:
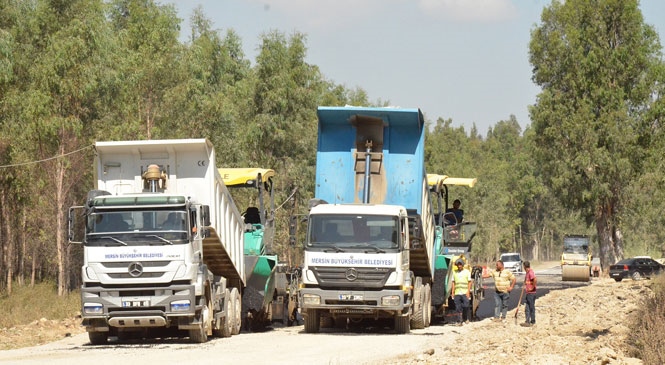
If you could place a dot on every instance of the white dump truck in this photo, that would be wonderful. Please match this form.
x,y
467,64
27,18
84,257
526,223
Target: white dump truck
x,y
162,242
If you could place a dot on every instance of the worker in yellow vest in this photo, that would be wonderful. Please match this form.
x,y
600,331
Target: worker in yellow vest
x,y
461,292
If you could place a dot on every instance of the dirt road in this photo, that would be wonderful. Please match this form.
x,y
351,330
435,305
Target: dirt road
x,y
577,325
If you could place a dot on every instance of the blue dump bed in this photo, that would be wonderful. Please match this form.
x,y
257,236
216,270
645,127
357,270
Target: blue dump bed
x,y
397,167
340,170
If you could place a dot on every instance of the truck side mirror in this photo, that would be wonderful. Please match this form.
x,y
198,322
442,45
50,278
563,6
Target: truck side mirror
x,y
205,215
72,225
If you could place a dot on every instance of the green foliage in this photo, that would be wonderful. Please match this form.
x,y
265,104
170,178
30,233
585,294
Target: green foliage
x,y
596,62
79,71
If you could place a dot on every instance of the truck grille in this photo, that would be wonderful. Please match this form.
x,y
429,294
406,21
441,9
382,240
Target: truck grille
x,y
124,275
350,277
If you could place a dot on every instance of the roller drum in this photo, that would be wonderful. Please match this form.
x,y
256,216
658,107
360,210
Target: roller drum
x,y
575,273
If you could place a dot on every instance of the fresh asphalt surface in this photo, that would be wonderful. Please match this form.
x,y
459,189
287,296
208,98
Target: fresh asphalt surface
x,y
548,279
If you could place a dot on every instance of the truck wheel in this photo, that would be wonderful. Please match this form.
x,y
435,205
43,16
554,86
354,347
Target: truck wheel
x,y
428,305
237,311
286,321
200,334
224,327
418,320
312,320
98,338
402,324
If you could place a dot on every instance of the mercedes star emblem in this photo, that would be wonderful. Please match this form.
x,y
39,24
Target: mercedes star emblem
x,y
135,269
351,274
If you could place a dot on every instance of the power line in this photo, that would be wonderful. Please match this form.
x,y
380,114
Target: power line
x,y
46,159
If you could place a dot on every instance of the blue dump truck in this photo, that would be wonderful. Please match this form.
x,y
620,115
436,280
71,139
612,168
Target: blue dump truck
x,y
371,232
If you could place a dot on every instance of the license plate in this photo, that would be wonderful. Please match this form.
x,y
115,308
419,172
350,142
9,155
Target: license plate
x,y
350,297
136,303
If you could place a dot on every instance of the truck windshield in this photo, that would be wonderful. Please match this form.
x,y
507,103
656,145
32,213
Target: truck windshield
x,y
373,233
576,245
154,227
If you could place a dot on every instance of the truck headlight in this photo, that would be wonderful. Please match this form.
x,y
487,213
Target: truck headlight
x,y
180,306
90,273
93,308
390,300
311,299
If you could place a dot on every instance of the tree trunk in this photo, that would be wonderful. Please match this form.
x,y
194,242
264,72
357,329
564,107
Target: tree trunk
x,y
3,240
33,271
23,243
59,221
9,242
610,239
618,243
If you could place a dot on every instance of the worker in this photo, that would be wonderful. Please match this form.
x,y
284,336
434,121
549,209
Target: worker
x,y
504,282
461,293
172,222
530,298
454,215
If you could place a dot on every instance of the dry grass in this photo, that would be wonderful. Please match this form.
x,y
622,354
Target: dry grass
x,y
28,304
648,326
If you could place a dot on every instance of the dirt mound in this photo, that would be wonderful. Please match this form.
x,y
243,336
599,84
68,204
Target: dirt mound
x,y
39,332
584,325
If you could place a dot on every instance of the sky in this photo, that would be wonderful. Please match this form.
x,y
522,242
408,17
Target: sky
x,y
464,60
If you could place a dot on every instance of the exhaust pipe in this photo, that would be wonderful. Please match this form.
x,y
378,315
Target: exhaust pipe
x,y
368,171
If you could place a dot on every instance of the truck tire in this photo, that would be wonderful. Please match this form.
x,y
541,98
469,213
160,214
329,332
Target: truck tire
x,y
286,321
402,324
428,305
418,318
312,321
236,318
200,334
224,327
98,338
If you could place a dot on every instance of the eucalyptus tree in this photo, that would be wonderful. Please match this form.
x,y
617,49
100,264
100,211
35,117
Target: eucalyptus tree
x,y
212,92
281,133
59,69
595,61
147,64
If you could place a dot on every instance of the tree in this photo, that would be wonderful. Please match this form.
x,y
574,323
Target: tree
x,y
595,61
147,64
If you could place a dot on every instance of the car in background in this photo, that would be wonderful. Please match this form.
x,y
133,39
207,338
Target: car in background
x,y
635,268
512,261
